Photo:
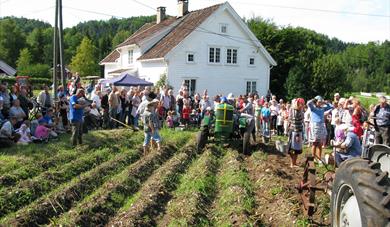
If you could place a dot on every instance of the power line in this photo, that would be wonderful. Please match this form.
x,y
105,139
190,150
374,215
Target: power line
x,y
317,10
38,11
141,3
92,12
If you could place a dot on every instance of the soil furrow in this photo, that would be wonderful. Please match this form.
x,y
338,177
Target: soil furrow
x,y
29,190
155,193
62,199
194,193
96,209
234,201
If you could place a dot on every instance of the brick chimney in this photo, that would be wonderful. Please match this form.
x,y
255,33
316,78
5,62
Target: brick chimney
x,y
160,14
182,6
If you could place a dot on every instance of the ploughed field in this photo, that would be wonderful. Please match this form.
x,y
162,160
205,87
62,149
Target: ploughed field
x,y
108,182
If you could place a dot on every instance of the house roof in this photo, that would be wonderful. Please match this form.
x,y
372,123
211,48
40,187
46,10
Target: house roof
x,y
189,23
7,69
180,29
119,71
112,57
146,31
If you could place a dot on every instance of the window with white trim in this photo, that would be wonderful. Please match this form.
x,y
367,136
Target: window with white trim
x,y
130,57
190,57
231,56
251,61
214,55
223,28
191,84
251,87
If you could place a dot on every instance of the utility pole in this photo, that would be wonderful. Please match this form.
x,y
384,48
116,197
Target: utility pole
x,y
58,50
55,51
61,47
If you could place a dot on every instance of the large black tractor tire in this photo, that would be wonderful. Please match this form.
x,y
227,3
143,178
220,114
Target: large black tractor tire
x,y
363,181
201,140
246,143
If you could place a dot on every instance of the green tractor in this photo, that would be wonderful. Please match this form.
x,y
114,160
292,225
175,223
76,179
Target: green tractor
x,y
225,125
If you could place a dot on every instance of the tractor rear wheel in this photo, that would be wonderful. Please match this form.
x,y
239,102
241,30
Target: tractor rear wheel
x,y
360,195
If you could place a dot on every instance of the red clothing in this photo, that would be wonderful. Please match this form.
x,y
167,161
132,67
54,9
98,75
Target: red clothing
x,y
358,130
186,113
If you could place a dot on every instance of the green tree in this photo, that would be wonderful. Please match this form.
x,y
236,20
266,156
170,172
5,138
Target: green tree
x,y
24,62
36,44
296,83
85,61
329,76
120,37
12,41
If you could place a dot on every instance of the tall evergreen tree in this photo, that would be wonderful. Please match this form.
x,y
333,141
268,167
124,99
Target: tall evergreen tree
x,y
85,61
24,62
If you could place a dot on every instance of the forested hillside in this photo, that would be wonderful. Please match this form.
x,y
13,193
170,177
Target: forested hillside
x,y
308,62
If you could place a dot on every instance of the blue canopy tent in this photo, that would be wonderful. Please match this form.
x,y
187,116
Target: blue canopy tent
x,y
128,80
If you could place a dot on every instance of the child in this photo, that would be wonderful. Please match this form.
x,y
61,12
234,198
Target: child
x,y
169,120
266,118
160,112
24,132
186,113
151,125
279,124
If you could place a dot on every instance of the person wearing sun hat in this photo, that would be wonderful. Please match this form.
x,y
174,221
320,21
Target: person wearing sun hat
x,y
151,125
317,124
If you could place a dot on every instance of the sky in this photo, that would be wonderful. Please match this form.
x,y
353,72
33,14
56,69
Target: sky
x,y
358,21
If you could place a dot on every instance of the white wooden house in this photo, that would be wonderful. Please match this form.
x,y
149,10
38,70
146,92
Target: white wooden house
x,y
210,48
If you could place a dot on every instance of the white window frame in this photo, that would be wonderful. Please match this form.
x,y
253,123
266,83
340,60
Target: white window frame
x,y
249,61
187,82
232,49
187,55
130,57
221,25
251,88
215,51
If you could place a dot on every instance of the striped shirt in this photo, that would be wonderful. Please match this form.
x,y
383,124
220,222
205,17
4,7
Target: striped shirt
x,y
296,120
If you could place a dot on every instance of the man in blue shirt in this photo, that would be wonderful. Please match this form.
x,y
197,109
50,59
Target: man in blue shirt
x,y
382,120
350,147
76,112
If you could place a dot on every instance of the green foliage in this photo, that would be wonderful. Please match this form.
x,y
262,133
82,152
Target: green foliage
x,y
25,68
302,54
162,81
11,41
24,61
120,37
36,42
85,61
327,71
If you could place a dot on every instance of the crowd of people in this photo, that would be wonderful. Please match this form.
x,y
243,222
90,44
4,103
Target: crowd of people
x,y
318,123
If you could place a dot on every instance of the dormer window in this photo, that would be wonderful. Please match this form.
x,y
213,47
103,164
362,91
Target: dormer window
x,y
223,28
131,57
